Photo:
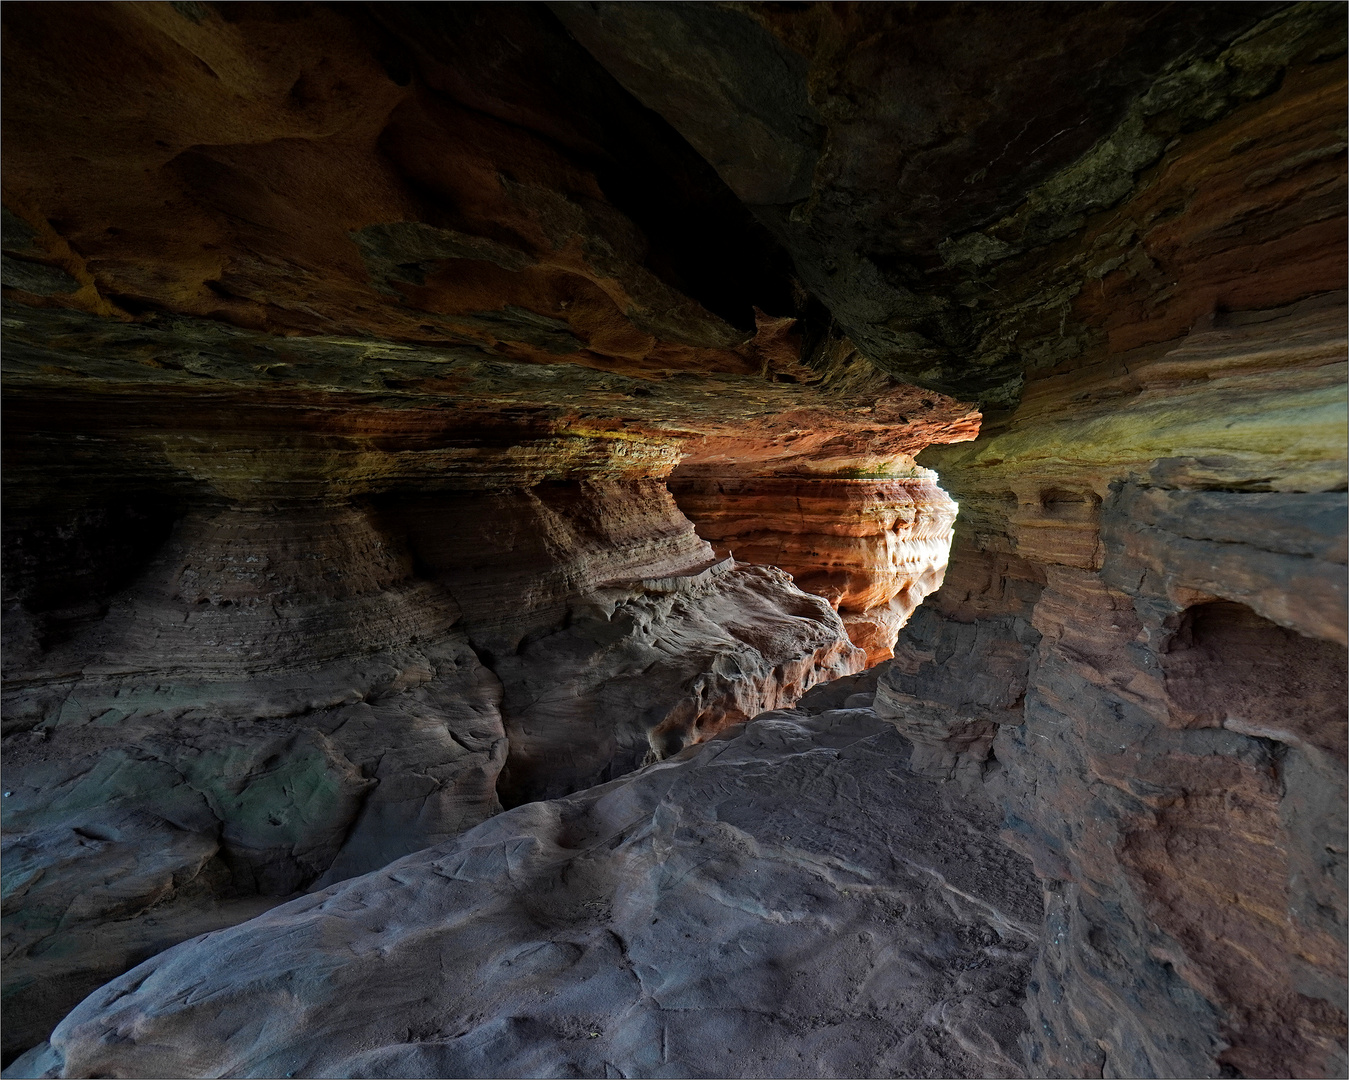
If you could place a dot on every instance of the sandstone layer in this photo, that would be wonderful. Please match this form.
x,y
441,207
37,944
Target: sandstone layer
x,y
628,637
1144,625
1139,645
872,548
275,698
726,912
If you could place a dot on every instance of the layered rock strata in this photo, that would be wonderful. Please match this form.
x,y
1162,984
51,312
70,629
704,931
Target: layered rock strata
x,y
727,911
442,296
1159,657
872,548
346,353
289,695
1142,634
275,698
628,637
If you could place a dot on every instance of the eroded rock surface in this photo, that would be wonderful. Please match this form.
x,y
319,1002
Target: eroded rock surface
x,y
275,698
872,548
728,912
629,637
282,693
1164,603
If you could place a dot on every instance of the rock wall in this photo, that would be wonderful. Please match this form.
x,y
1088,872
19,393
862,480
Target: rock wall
x,y
286,696
1139,270
1140,644
273,699
326,582
625,637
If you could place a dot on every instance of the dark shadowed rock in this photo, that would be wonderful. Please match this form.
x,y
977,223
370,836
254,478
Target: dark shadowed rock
x,y
786,900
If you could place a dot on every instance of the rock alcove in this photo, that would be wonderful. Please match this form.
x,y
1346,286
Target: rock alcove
x,y
472,539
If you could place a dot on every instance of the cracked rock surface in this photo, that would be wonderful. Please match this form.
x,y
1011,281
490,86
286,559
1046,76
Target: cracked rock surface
x,y
785,900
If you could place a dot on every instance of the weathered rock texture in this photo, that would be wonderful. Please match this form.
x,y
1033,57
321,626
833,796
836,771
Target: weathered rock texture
x,y
727,912
1139,266
346,353
909,155
873,548
352,356
1158,668
627,637
273,699
1145,617
280,692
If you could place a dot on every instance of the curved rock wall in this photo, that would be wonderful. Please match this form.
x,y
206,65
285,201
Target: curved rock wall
x,y
626,637
352,589
289,695
273,699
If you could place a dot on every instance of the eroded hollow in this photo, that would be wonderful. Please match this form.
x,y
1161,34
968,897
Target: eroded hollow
x,y
1228,667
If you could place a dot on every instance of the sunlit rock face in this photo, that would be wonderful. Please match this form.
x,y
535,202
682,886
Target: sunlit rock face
x,y
872,548
415,412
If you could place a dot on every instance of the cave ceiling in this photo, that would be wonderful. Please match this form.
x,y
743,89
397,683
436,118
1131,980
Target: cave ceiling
x,y
796,195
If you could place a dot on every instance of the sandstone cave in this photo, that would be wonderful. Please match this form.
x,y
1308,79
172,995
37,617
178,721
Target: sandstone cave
x,y
674,539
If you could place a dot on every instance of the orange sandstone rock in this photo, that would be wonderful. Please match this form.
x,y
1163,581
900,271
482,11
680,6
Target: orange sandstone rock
x,y
872,548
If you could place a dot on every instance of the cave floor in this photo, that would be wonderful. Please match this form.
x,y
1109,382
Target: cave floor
x,y
786,900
